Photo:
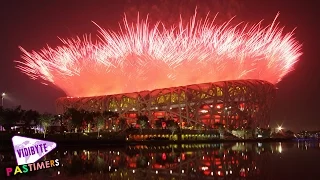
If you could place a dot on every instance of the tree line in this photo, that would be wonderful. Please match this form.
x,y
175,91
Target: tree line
x,y
74,120
10,117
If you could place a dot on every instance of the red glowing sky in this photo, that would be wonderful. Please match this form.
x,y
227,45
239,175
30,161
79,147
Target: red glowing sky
x,y
143,57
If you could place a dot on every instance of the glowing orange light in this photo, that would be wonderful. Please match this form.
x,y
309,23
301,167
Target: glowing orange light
x,y
144,57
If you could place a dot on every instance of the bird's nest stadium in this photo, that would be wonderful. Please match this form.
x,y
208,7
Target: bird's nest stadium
x,y
234,104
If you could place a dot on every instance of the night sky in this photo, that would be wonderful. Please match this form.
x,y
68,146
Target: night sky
x,y
33,24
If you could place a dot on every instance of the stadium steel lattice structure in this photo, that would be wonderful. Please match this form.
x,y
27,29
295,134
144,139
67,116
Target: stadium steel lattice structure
x,y
235,103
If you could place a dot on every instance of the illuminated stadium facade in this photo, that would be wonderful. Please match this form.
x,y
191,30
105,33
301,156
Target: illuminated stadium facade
x,y
238,103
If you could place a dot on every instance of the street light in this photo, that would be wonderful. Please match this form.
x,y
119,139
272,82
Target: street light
x,y
2,97
279,128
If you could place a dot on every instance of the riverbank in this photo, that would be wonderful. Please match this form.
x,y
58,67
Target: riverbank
x,y
78,140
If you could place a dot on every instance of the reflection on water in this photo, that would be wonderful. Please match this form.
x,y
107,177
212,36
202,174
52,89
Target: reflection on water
x,y
186,161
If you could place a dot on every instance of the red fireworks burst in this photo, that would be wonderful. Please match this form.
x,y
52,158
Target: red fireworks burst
x,y
143,57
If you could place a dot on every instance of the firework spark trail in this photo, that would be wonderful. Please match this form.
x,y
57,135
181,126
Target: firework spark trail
x,y
144,57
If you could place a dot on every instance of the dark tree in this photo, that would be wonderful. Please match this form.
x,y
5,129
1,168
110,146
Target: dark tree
x,y
88,119
158,123
9,117
110,114
172,126
142,161
45,121
76,117
100,124
123,123
289,133
171,122
143,122
31,118
110,117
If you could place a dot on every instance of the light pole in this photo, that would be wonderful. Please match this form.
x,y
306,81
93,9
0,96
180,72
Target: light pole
x,y
2,97
280,128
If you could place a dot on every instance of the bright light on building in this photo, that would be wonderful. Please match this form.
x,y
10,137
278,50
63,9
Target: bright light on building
x,y
204,168
204,111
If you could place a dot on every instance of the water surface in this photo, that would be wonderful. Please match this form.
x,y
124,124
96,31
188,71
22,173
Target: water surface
x,y
272,161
